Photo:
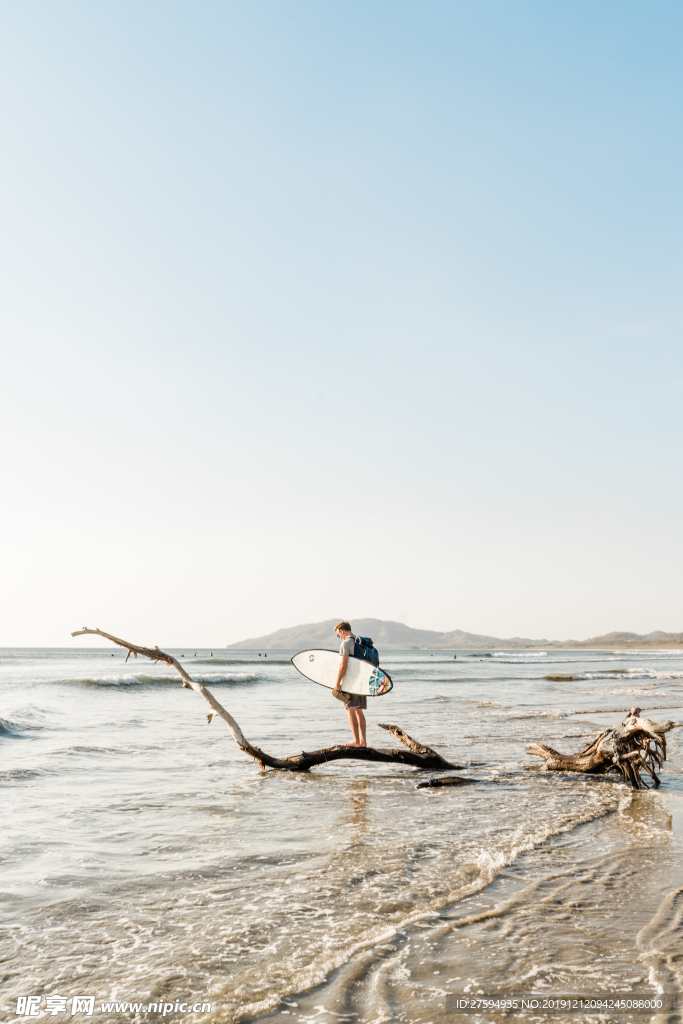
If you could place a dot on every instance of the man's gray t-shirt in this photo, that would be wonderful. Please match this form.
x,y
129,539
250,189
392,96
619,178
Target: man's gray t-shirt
x,y
348,646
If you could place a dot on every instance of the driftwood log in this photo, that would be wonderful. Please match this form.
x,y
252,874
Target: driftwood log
x,y
448,780
417,755
637,745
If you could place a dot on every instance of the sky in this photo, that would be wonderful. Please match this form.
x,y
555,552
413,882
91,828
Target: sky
x,y
317,308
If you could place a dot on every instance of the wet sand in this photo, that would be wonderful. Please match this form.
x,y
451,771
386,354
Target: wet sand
x,y
595,913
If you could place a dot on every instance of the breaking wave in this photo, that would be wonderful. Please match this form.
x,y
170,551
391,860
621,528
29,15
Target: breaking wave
x,y
519,654
143,680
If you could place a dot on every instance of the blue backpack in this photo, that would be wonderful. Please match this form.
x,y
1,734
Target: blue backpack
x,y
365,649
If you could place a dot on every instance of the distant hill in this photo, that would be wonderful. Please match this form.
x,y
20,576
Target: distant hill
x,y
321,634
619,641
388,634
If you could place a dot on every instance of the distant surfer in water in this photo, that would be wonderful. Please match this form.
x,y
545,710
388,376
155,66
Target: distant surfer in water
x,y
356,704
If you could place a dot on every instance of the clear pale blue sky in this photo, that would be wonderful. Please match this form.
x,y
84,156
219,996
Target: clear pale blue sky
x,y
340,308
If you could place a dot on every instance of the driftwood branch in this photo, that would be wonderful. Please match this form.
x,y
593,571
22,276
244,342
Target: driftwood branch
x,y
417,755
635,746
154,654
417,748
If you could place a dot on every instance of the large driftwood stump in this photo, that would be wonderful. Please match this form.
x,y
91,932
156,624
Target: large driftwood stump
x,y
416,755
635,746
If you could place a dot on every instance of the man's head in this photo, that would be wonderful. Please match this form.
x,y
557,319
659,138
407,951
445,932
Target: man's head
x,y
343,629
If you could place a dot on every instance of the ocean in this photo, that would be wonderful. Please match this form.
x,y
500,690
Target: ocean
x,y
151,869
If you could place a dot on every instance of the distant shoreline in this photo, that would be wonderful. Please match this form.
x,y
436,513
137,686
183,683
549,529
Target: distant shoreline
x,y
391,635
674,646
616,648
545,647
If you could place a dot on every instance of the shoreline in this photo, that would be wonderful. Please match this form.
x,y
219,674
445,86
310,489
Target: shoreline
x,y
384,982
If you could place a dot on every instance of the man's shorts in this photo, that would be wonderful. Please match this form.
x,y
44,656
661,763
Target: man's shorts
x,y
357,701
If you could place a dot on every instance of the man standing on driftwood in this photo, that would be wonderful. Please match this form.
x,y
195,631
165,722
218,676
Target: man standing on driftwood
x,y
355,703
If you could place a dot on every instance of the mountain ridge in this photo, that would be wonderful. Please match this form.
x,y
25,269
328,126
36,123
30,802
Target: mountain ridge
x,y
387,633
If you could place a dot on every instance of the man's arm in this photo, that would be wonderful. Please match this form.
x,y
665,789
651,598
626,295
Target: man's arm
x,y
343,662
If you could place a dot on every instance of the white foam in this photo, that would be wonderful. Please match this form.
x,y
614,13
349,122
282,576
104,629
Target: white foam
x,y
520,654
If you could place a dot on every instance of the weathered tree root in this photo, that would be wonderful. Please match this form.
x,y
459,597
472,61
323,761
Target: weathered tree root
x,y
417,755
635,746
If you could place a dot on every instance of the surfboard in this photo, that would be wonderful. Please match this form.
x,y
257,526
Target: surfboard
x,y
361,677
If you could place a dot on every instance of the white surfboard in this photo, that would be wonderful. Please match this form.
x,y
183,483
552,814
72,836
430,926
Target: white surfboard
x,y
361,677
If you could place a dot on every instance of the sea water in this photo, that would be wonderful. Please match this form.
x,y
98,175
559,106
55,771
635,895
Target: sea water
x,y
147,860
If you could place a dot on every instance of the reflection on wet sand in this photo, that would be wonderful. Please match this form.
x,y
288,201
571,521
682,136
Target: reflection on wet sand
x,y
359,796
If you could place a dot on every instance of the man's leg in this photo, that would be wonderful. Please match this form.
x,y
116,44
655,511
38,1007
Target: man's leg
x,y
353,722
360,718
